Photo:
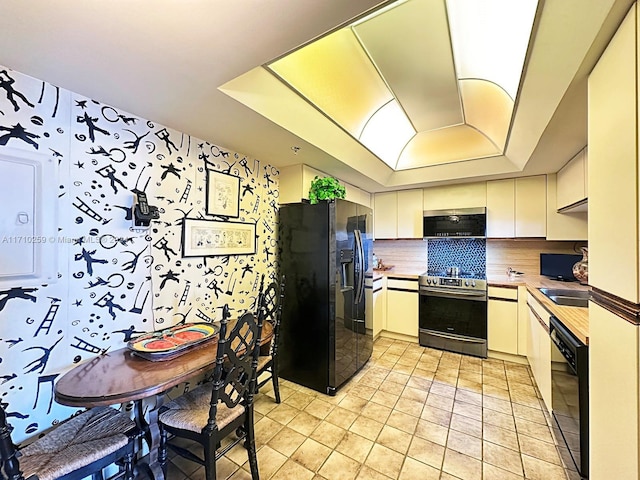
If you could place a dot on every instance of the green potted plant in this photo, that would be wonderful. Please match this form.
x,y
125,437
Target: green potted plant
x,y
326,188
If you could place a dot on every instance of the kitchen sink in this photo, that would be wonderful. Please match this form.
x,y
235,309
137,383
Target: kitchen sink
x,y
567,297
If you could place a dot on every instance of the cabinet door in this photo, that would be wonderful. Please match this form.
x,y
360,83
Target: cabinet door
x,y
501,209
502,326
532,341
563,226
379,311
402,312
409,213
385,215
613,167
571,187
544,378
464,195
369,318
531,206
539,356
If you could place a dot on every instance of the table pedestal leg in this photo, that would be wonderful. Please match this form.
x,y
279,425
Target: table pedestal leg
x,y
151,431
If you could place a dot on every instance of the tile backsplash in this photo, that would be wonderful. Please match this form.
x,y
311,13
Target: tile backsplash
x,y
469,254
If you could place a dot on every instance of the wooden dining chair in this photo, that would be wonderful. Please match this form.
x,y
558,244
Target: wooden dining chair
x,y
213,411
272,310
77,448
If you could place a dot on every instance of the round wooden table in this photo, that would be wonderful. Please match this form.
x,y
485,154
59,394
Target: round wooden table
x,y
121,376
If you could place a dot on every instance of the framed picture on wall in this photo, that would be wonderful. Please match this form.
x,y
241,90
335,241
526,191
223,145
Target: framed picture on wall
x,y
223,194
209,238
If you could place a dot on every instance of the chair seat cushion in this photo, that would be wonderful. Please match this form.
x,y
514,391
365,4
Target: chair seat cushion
x,y
76,443
263,361
191,411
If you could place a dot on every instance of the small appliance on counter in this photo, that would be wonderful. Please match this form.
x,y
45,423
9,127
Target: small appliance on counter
x,y
558,266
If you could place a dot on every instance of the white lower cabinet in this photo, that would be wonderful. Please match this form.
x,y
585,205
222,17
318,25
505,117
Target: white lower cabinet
x,y
539,349
402,306
502,320
378,307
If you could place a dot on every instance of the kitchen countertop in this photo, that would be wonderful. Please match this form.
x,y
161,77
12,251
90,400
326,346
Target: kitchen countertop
x,y
576,319
409,274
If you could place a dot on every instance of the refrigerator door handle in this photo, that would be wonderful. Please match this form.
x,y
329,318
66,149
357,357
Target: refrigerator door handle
x,y
359,265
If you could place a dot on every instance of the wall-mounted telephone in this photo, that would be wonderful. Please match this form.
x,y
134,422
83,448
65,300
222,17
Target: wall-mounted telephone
x,y
143,213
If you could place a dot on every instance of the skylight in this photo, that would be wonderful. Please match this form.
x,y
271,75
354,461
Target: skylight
x,y
399,79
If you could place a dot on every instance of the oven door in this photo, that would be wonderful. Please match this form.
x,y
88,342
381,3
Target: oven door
x,y
454,320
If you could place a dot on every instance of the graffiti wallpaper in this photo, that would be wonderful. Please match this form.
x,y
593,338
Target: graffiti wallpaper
x,y
116,280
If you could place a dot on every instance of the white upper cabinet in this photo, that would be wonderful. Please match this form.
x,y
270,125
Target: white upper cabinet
x,y
398,214
572,184
572,225
410,213
446,197
501,209
517,207
385,215
531,206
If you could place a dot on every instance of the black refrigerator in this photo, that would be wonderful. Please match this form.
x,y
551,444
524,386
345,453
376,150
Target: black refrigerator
x,y
325,252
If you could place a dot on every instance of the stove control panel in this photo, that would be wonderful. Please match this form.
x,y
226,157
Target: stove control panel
x,y
453,282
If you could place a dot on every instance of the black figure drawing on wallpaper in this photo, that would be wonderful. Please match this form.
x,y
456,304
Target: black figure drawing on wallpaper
x,y
11,343
19,415
90,122
16,292
109,173
169,169
247,189
247,170
126,120
163,245
19,132
107,302
6,83
41,362
164,135
169,276
128,333
8,378
132,264
87,257
133,144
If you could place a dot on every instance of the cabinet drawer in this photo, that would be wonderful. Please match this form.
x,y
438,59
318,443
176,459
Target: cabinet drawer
x,y
400,284
538,309
504,293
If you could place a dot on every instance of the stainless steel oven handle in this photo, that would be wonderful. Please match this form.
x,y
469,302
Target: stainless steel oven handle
x,y
457,337
442,292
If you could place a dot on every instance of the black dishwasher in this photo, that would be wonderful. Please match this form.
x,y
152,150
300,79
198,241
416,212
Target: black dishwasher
x,y
570,392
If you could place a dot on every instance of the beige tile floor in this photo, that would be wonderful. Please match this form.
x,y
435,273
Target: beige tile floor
x,y
411,413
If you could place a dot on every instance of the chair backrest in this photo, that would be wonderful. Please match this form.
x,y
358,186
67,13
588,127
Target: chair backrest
x,y
276,316
234,374
9,465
